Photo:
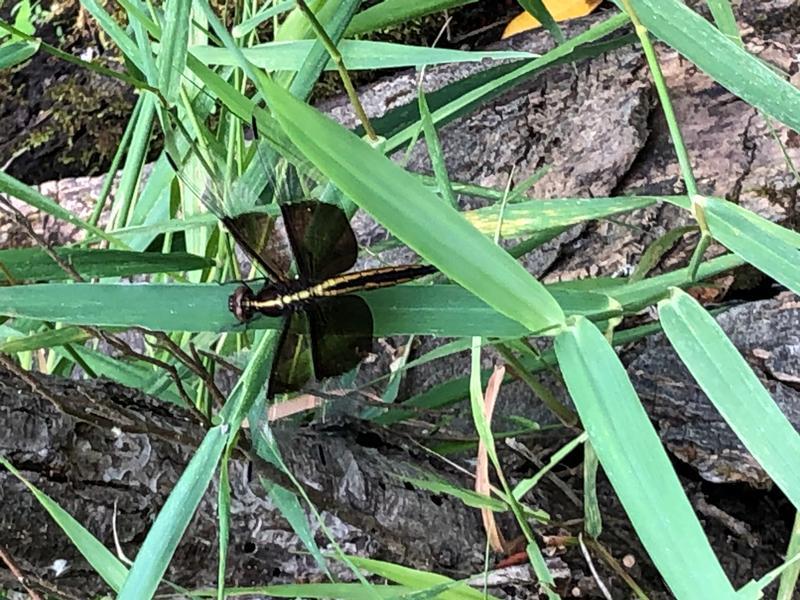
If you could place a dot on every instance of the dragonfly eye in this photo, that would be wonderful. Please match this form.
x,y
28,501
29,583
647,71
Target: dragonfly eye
x,y
239,303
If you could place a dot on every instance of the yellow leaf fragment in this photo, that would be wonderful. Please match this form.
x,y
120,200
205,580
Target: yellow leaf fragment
x,y
561,10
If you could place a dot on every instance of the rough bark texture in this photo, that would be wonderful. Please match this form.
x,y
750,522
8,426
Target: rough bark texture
x,y
105,449
598,128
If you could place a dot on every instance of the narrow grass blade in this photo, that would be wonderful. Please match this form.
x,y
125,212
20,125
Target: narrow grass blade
x,y
468,497
435,151
637,465
540,12
637,295
32,197
325,591
114,31
16,53
392,12
414,215
43,339
269,11
418,580
33,264
788,584
734,389
156,552
765,245
96,554
174,46
224,520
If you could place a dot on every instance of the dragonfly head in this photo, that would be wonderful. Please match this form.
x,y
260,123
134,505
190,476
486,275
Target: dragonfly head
x,y
239,303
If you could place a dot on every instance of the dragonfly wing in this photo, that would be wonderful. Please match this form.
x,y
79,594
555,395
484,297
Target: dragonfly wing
x,y
321,238
254,232
291,368
341,334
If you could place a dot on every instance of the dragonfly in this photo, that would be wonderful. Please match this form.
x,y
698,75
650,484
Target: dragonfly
x,y
321,311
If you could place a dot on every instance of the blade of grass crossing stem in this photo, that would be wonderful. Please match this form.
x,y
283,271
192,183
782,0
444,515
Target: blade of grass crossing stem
x,y
96,554
253,381
765,245
156,552
401,203
637,465
721,58
261,16
734,389
434,148
526,485
725,19
317,58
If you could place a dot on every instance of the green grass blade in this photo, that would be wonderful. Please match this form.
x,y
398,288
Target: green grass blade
x,y
16,53
136,375
541,14
269,11
523,218
17,189
158,547
43,339
765,245
174,46
418,580
435,151
724,60
637,465
114,31
637,295
33,264
324,591
335,24
392,12
724,18
398,200
445,310
789,577
358,55
96,554
734,389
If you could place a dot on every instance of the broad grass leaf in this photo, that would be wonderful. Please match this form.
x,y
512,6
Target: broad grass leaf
x,y
408,209
637,465
734,389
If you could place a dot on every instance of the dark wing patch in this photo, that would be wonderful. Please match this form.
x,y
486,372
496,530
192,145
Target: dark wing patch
x,y
254,234
341,334
322,240
291,368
